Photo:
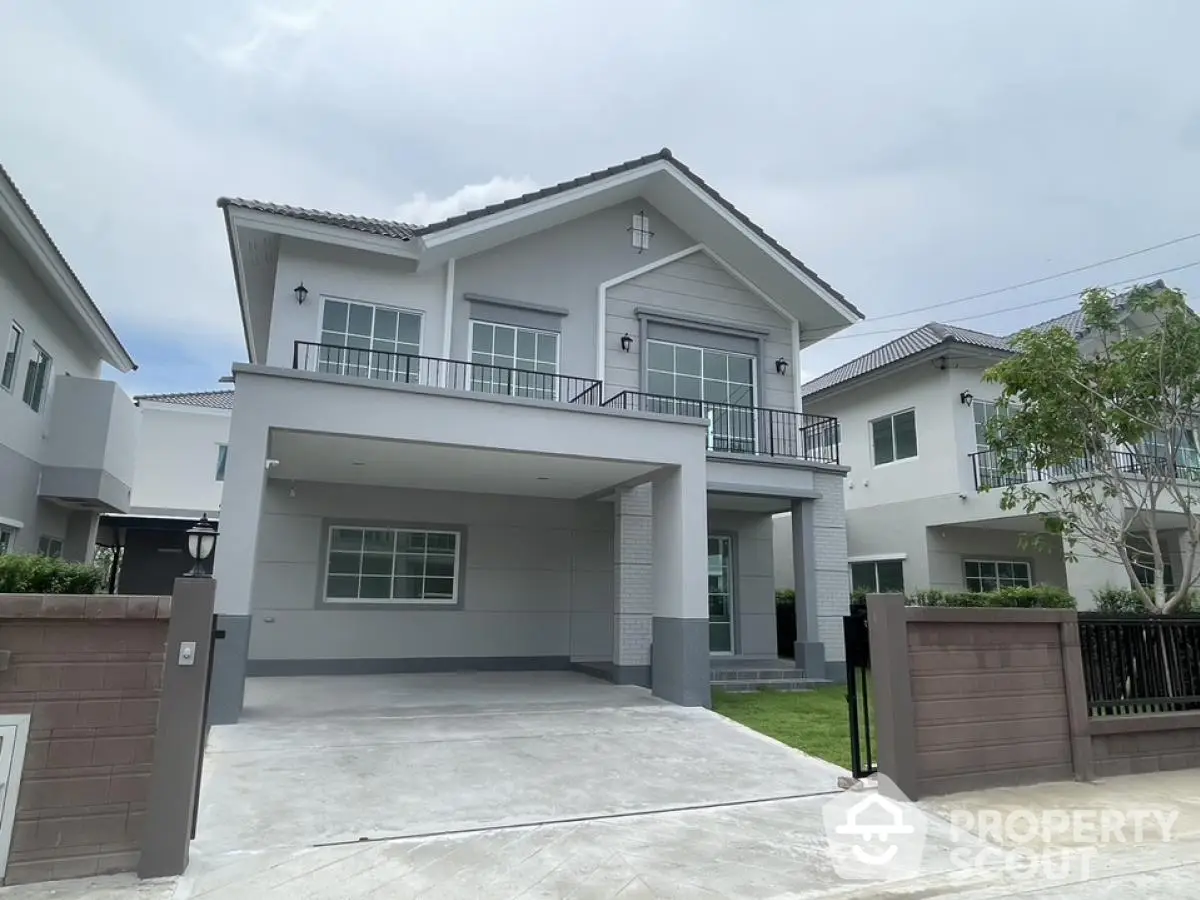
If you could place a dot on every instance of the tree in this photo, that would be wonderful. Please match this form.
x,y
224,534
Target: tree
x,y
1096,434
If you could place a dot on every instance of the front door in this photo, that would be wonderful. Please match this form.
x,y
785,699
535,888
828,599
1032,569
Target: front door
x,y
720,593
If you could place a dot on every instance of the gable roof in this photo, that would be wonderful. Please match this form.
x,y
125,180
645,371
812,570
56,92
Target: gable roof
x,y
406,232
35,245
919,340
203,399
1073,321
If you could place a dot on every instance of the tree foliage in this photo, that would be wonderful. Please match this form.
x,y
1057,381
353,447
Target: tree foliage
x,y
1096,434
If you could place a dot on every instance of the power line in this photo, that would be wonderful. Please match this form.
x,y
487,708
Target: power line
x,y
995,312
1044,278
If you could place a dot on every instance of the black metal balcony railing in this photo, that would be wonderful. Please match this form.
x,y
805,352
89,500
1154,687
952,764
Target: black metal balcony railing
x,y
745,429
990,472
450,374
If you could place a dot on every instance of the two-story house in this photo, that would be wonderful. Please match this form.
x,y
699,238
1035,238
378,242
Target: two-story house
x,y
924,489
182,450
548,433
67,436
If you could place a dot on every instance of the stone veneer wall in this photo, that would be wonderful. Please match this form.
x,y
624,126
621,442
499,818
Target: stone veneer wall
x,y
88,671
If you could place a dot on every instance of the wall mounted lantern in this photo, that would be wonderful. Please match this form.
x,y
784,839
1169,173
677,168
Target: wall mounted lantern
x,y
201,538
639,232
781,365
626,342
966,398
301,293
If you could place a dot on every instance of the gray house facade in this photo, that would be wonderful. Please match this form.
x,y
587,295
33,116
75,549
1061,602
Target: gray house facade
x,y
550,433
67,436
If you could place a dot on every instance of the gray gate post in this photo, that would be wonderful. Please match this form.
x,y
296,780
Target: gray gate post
x,y
178,741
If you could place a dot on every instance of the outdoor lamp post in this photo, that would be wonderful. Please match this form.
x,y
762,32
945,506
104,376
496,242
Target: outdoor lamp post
x,y
201,538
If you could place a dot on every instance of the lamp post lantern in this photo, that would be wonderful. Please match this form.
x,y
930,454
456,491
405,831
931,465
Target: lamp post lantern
x,y
201,539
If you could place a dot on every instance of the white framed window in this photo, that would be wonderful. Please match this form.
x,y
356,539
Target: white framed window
x,y
49,546
985,575
8,537
878,576
392,565
222,456
37,378
520,362
894,437
367,340
12,352
718,384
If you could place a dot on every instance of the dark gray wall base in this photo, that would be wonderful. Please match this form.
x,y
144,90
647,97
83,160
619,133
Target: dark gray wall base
x,y
638,675
228,688
680,667
283,667
810,657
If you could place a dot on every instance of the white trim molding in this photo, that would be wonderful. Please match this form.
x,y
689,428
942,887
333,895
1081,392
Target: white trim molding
x,y
877,557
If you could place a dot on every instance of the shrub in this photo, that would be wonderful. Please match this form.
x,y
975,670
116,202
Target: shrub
x,y
1122,601
1040,597
42,575
785,597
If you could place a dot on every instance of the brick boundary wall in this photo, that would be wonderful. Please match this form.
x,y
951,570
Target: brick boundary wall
x,y
89,672
976,698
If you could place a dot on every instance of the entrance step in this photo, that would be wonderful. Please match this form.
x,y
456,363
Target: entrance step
x,y
794,684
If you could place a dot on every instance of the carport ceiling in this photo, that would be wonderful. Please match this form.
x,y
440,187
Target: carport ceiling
x,y
355,460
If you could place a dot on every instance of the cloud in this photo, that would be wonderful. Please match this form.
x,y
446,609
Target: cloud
x,y
422,209
261,33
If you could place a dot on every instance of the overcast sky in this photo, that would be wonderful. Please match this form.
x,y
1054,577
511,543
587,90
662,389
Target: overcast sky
x,y
910,153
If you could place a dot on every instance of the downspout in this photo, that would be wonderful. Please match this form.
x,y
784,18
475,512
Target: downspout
x,y
447,322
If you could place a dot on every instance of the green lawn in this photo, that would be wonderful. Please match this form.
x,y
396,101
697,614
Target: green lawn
x,y
816,721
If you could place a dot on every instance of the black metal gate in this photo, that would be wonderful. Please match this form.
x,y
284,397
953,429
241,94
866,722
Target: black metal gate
x,y
858,690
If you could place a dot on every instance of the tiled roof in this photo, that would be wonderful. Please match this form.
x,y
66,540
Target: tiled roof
x,y
917,341
381,227
404,232
205,399
1073,321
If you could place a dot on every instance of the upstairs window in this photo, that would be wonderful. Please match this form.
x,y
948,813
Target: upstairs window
x,y
222,455
37,379
8,375
351,330
520,362
894,437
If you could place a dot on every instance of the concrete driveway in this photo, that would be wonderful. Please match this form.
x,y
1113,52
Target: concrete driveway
x,y
559,786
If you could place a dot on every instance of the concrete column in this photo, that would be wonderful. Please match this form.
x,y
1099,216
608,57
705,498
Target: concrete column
x,y
1090,573
179,740
810,651
79,542
233,568
633,582
680,670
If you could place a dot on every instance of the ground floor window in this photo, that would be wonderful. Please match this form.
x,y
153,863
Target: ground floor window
x,y
392,565
878,576
49,546
7,536
983,575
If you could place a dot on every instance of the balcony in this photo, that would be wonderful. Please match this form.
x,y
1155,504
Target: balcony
x,y
451,374
989,474
750,430
732,429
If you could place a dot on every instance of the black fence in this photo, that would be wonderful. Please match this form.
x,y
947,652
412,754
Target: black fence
x,y
858,691
992,470
745,429
451,374
1134,663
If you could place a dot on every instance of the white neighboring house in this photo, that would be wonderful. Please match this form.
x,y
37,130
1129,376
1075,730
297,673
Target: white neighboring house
x,y
180,473
923,493
548,433
68,437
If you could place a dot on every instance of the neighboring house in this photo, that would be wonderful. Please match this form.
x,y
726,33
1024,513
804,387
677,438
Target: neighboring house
x,y
67,437
180,472
549,433
923,493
